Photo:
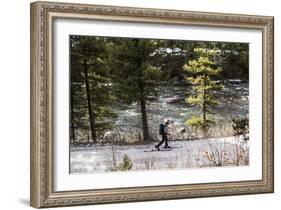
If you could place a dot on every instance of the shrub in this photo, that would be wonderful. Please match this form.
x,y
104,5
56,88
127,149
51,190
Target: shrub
x,y
126,164
241,127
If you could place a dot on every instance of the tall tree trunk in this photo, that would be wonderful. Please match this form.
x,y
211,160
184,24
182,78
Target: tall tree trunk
x,y
90,111
72,118
141,93
144,117
204,97
204,108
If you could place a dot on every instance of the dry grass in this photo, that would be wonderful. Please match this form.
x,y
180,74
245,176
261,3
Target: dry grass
x,y
218,156
215,155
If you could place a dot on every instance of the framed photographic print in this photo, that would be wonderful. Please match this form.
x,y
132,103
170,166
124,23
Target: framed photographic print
x,y
134,104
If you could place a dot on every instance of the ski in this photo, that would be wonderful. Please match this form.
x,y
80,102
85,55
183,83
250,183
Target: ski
x,y
163,149
156,150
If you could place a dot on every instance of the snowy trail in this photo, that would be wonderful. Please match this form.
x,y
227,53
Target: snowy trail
x,y
185,154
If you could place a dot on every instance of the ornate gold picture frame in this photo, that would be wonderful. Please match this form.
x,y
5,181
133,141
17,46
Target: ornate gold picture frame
x,y
43,15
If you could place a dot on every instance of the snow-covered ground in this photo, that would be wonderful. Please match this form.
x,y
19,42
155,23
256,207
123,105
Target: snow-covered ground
x,y
228,151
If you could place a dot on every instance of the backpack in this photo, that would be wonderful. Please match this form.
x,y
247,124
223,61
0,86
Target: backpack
x,y
161,129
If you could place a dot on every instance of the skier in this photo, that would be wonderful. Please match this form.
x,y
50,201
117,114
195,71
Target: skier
x,y
163,131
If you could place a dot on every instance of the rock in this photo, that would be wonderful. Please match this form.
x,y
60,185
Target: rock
x,y
173,99
111,137
234,81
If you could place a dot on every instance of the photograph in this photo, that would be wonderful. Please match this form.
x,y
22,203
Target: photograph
x,y
132,104
141,104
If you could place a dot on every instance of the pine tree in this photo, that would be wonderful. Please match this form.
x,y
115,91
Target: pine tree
x,y
134,74
203,69
88,61
79,124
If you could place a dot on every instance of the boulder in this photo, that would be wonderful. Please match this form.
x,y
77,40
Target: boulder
x,y
111,137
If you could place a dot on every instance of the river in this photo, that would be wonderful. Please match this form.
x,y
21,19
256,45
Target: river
x,y
170,103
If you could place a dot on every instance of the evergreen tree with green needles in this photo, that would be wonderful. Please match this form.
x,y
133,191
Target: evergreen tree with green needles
x,y
203,68
134,76
90,80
